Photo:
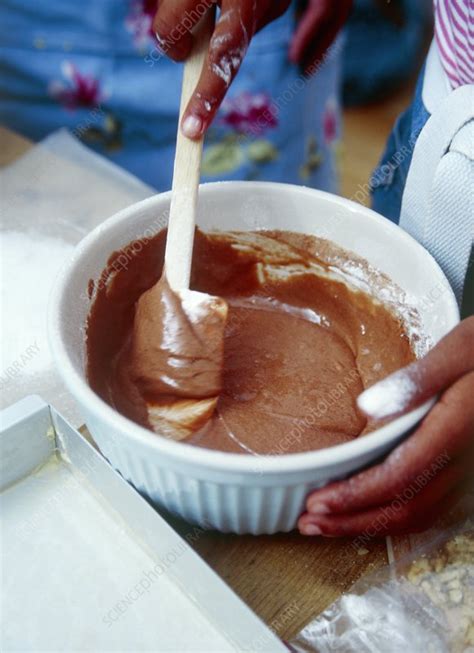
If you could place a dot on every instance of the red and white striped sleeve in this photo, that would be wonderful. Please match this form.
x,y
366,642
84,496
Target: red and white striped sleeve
x,y
454,33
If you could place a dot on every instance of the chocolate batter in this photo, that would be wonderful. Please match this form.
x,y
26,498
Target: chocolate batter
x,y
301,341
169,372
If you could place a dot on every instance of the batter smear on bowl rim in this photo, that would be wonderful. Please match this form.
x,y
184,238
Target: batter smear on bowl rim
x,y
274,366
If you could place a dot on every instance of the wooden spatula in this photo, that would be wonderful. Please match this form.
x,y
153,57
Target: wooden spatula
x,y
187,170
190,347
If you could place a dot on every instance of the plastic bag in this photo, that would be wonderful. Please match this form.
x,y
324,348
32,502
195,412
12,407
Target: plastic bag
x,y
421,604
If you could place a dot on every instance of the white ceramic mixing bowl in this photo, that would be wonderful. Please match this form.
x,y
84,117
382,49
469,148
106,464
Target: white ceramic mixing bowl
x,y
232,492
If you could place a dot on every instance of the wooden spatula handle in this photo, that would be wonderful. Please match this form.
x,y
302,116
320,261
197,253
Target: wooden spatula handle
x,y
187,170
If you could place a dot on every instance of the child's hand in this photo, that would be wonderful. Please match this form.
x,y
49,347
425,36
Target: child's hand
x,y
239,21
317,29
424,474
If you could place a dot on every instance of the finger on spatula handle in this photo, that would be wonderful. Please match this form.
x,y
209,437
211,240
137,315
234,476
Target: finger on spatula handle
x,y
187,169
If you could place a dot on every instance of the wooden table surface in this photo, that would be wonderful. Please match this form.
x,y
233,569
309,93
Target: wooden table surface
x,y
287,579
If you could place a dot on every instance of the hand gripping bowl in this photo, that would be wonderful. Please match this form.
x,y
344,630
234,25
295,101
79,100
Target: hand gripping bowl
x,y
232,492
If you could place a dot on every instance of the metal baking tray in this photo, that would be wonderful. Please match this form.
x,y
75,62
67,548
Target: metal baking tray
x,y
88,565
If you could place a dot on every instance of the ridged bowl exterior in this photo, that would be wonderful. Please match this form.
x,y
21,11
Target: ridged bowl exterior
x,y
231,492
255,503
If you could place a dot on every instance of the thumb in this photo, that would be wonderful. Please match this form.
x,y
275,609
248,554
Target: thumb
x,y
227,48
449,360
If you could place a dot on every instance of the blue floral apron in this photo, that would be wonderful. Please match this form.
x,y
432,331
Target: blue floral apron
x,y
95,68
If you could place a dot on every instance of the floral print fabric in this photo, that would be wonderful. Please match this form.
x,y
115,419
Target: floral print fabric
x,y
97,69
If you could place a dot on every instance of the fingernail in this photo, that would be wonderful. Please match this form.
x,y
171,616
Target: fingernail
x,y
162,46
388,397
310,529
192,126
318,508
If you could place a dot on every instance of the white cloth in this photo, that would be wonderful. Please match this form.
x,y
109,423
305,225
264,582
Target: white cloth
x,y
438,201
51,197
436,84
